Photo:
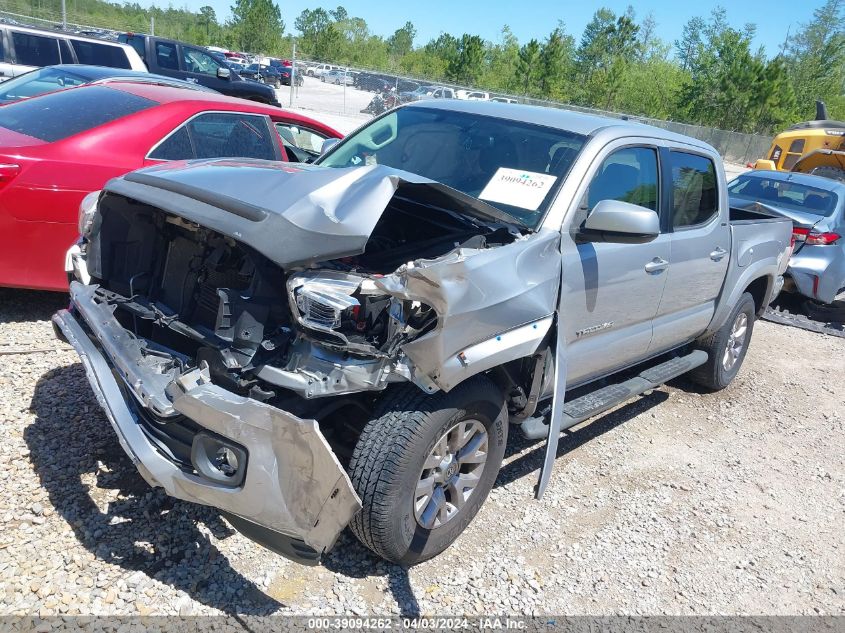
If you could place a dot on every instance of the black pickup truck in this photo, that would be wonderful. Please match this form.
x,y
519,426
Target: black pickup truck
x,y
193,63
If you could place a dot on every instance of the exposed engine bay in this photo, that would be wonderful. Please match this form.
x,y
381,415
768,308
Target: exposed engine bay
x,y
198,297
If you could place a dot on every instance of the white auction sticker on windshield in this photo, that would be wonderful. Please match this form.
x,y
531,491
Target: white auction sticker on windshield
x,y
523,189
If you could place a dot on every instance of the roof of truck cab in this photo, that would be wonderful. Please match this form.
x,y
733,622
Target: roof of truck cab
x,y
558,118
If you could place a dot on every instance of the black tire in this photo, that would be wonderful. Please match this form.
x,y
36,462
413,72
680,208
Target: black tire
x,y
278,84
388,460
713,374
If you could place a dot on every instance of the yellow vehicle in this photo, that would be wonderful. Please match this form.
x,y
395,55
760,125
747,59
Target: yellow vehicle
x,y
803,138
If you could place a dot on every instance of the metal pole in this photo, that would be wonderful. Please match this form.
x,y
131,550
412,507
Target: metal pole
x,y
152,25
345,70
292,73
64,15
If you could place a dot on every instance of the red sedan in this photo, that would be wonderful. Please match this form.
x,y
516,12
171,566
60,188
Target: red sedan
x,y
56,148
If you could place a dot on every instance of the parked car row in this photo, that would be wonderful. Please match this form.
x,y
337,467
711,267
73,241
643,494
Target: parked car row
x,y
194,63
23,49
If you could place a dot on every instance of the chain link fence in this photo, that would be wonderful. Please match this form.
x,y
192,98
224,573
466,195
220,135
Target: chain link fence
x,y
348,95
735,147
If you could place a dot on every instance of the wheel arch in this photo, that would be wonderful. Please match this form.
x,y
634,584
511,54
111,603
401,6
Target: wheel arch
x,y
759,289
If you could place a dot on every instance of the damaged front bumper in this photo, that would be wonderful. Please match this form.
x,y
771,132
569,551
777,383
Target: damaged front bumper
x,y
286,488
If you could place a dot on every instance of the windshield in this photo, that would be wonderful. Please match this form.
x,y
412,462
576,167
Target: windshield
x,y
514,166
38,82
785,193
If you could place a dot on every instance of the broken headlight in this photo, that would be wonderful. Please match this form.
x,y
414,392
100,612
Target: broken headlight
x,y
337,302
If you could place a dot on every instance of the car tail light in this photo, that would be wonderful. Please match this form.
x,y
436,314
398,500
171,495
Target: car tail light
x,y
822,239
814,238
8,171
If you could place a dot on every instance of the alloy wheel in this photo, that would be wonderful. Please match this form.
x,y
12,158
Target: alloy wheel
x,y
736,341
451,473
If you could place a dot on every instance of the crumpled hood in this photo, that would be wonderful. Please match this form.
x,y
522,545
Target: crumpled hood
x,y
293,214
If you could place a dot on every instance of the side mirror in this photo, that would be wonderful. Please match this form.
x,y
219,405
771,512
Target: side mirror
x,y
328,144
224,73
620,222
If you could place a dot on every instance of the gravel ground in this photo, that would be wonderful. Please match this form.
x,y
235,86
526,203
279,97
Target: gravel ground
x,y
677,503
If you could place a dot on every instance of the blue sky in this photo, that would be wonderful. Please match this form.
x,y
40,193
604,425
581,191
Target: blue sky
x,y
536,18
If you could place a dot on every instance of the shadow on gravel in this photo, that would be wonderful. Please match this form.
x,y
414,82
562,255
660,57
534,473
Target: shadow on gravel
x,y
18,305
350,558
569,440
75,452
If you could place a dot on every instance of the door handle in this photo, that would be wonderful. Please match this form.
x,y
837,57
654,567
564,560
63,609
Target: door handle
x,y
656,265
718,254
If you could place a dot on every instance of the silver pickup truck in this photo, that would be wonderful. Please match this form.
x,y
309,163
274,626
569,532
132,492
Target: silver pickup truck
x,y
310,347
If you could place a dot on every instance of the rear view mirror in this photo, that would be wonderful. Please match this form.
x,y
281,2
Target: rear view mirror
x,y
622,222
224,73
328,144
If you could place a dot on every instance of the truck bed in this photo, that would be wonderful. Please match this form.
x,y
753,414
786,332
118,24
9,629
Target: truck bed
x,y
748,216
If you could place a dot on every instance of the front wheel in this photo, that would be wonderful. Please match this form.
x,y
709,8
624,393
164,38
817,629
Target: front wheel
x,y
424,465
726,347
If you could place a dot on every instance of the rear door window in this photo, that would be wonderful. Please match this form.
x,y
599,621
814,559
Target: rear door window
x,y
35,50
136,42
177,146
53,117
220,135
196,61
166,56
96,54
695,191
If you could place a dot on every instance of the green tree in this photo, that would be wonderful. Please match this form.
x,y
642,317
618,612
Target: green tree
x,y
529,68
503,58
816,60
468,65
402,41
556,61
257,25
320,37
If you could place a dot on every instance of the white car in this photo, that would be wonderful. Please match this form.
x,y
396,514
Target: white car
x,y
472,95
26,49
320,69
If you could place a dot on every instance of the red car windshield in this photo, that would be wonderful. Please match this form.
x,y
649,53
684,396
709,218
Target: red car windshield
x,y
59,115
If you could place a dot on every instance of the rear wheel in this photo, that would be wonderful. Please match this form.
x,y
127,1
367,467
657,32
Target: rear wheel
x,y
726,348
424,465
